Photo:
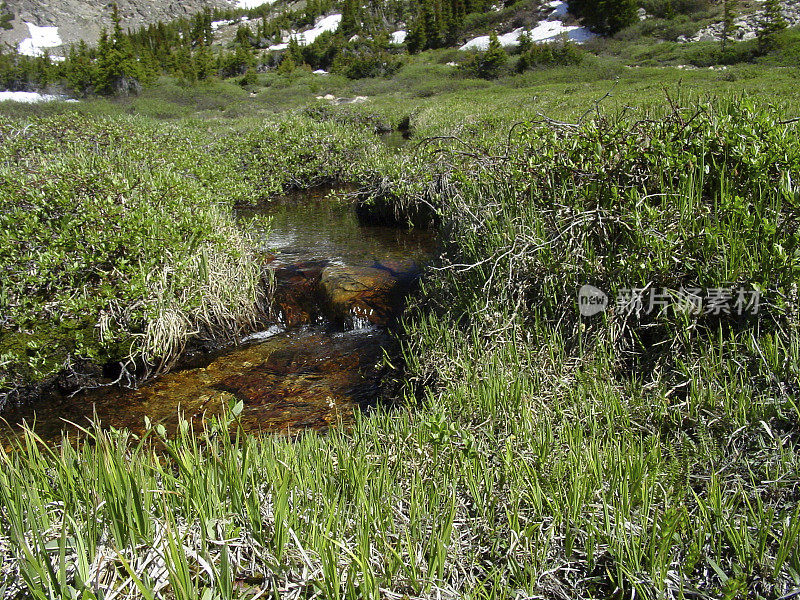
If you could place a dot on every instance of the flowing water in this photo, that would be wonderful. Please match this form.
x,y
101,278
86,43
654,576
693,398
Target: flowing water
x,y
338,287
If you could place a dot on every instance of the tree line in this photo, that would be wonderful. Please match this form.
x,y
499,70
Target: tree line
x,y
123,61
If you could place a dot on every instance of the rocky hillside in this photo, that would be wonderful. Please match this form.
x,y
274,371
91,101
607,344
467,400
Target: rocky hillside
x,y
746,22
39,24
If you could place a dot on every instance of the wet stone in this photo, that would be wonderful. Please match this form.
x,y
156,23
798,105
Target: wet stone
x,y
362,292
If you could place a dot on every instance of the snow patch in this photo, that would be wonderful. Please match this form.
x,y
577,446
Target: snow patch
x,y
545,31
30,97
304,38
482,42
252,3
398,37
329,23
558,8
41,38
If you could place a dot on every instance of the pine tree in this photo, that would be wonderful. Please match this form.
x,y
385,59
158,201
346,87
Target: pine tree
x,y
429,19
771,23
287,65
312,10
728,22
294,51
79,70
605,16
204,60
187,70
417,40
244,36
493,59
442,19
456,22
350,23
42,69
6,17
117,68
524,43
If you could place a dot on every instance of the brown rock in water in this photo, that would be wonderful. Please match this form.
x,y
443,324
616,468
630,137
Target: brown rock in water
x,y
311,380
402,268
364,292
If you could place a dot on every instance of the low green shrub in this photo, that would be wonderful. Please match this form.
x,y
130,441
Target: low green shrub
x,y
548,55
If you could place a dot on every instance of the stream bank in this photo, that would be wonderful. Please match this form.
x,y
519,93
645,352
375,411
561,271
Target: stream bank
x,y
338,287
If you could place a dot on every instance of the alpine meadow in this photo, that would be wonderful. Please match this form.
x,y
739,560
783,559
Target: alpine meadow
x,y
402,299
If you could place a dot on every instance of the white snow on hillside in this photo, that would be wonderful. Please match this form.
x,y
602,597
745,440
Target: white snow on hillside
x,y
252,3
27,97
304,38
329,23
398,37
558,8
41,38
545,31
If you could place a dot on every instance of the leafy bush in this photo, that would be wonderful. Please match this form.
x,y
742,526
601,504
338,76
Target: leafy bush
x,y
366,62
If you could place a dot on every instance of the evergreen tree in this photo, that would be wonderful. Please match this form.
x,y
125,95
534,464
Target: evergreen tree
x,y
441,12
605,16
350,23
493,59
6,17
525,42
429,21
45,69
287,65
79,70
295,51
204,59
202,34
117,68
728,22
250,78
311,12
771,23
244,36
417,40
456,22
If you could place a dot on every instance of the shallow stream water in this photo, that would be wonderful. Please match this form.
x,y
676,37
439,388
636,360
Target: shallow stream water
x,y
338,286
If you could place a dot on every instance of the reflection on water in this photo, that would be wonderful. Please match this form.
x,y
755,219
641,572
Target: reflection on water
x,y
338,284
318,225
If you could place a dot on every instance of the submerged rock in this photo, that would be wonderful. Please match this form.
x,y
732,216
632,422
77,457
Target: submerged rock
x,y
361,292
